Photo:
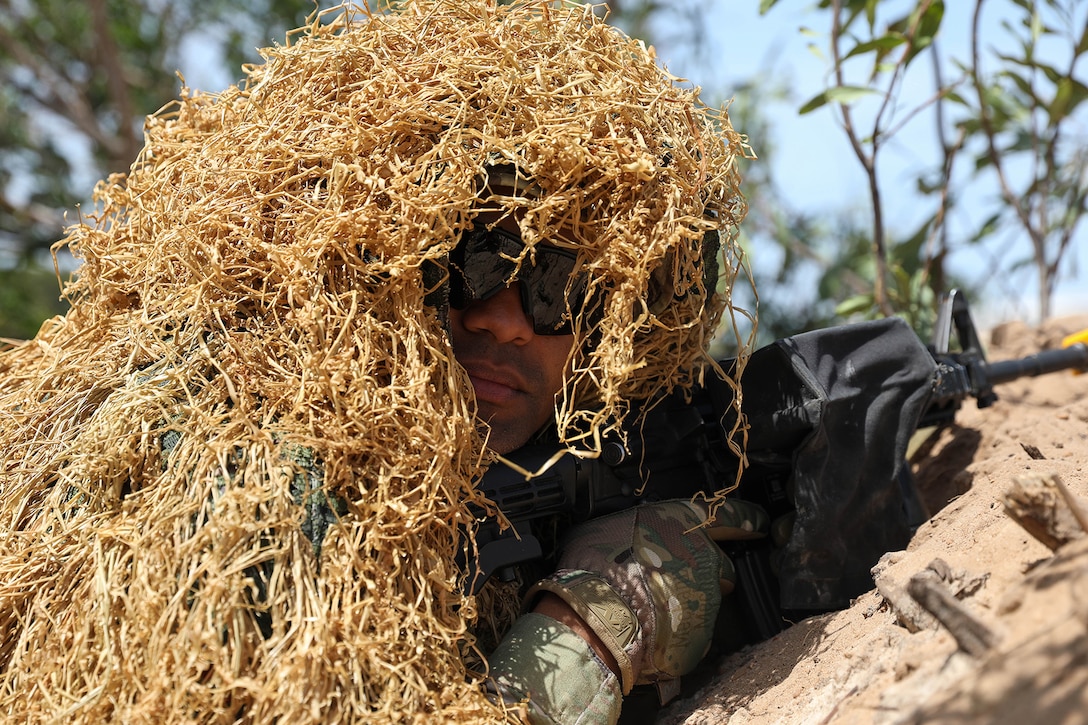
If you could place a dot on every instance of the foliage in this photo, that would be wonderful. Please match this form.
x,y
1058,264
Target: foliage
x,y
802,249
813,268
76,81
29,294
1019,127
1024,115
678,25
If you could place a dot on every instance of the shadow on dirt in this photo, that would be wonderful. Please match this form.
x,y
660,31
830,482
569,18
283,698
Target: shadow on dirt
x,y
740,678
940,466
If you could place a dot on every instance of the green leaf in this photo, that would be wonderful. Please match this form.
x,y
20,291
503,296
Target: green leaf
x,y
1036,24
817,101
953,97
766,5
848,94
838,94
854,10
1052,74
1013,59
908,253
883,45
1024,84
1078,92
988,228
925,18
854,305
1063,97
902,280
816,50
928,27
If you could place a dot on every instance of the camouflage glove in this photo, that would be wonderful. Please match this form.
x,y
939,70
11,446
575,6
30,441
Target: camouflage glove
x,y
648,582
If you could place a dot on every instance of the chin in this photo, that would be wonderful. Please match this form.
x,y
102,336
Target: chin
x,y
503,439
498,444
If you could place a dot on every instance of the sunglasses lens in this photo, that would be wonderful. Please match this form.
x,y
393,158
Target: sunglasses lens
x,y
545,286
483,264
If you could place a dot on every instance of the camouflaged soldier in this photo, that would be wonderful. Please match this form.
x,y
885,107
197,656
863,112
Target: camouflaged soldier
x,y
636,593
299,324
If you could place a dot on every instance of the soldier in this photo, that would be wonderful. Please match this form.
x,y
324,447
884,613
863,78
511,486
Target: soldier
x,y
241,473
636,594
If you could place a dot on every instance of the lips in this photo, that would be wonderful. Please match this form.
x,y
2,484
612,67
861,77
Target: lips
x,y
494,385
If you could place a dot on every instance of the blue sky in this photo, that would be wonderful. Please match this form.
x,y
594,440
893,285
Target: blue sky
x,y
814,166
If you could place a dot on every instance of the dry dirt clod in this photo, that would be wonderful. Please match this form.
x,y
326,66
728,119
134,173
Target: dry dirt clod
x,y
1033,452
1046,509
972,635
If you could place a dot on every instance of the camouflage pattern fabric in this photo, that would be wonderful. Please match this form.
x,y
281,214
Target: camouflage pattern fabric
x,y
546,668
737,520
322,510
648,582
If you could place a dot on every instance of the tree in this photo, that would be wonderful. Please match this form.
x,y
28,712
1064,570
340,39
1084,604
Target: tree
x,y
804,263
1025,113
1017,126
76,82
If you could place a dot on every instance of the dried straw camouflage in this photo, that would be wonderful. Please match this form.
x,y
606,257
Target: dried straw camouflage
x,y
256,301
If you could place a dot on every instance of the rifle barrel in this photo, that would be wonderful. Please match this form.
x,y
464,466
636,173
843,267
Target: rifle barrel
x,y
1048,361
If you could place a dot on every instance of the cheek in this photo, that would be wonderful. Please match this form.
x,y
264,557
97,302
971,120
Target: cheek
x,y
454,318
458,336
555,354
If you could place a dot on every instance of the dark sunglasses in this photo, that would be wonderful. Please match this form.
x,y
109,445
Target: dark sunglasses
x,y
484,263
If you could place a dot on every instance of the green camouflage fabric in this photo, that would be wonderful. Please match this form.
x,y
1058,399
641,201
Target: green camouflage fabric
x,y
737,520
322,510
545,667
648,581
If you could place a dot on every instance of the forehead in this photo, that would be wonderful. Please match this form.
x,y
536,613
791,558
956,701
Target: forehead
x,y
495,207
505,220
503,202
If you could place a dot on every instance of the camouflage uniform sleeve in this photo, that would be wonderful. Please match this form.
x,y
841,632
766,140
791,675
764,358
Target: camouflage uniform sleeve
x,y
648,582
546,668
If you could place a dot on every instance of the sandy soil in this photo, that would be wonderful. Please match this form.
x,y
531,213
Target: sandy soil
x,y
1020,608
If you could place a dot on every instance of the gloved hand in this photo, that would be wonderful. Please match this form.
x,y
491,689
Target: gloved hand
x,y
648,582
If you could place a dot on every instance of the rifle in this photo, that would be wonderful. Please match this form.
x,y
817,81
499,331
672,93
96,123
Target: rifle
x,y
968,372
828,418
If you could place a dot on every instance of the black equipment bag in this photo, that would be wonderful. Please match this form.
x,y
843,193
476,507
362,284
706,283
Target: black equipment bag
x,y
842,403
829,413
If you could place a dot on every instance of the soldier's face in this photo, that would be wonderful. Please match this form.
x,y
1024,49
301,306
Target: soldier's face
x,y
515,372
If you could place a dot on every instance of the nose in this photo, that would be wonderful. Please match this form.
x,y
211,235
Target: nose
x,y
501,315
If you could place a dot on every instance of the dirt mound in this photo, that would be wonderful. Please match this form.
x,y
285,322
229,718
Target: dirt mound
x,y
1012,642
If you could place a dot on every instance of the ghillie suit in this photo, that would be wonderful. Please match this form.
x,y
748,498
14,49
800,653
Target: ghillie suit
x,y
236,474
